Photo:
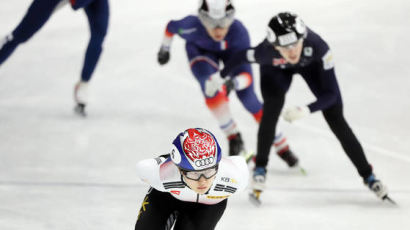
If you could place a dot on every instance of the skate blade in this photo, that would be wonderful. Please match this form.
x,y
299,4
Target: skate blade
x,y
254,197
80,110
299,169
389,200
248,155
303,171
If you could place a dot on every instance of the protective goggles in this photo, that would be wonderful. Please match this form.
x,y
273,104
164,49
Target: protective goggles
x,y
291,46
213,23
196,175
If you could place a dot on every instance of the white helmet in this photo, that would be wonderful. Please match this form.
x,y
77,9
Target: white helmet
x,y
216,13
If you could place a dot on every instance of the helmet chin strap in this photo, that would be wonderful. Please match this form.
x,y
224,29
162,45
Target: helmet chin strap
x,y
183,180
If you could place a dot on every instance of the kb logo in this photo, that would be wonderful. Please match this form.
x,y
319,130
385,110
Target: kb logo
x,y
204,162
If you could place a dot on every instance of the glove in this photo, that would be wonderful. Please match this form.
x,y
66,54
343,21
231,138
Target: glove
x,y
294,113
230,85
213,85
163,55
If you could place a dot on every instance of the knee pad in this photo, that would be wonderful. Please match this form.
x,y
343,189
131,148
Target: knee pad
x,y
217,100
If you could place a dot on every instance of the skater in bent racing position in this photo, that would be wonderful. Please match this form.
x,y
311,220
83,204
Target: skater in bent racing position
x,y
292,48
39,13
191,185
214,36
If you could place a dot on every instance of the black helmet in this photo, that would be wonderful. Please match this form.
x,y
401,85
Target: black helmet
x,y
285,29
216,13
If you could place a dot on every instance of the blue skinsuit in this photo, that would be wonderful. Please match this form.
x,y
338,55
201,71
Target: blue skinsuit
x,y
39,12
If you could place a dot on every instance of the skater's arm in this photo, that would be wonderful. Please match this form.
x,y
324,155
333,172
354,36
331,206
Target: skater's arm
x,y
260,54
149,172
171,29
328,91
237,59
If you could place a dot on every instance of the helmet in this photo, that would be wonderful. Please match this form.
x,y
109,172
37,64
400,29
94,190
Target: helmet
x,y
195,149
216,13
285,29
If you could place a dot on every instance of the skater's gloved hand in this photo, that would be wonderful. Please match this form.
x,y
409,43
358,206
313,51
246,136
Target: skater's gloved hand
x,y
294,113
230,85
163,55
214,84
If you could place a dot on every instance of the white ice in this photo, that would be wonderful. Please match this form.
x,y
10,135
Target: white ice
x,y
60,171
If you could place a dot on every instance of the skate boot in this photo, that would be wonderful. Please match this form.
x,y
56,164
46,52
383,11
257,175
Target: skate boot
x,y
291,160
288,157
235,144
236,147
377,187
258,185
80,97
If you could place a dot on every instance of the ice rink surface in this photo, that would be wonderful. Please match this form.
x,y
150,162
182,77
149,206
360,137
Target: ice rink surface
x,y
60,171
